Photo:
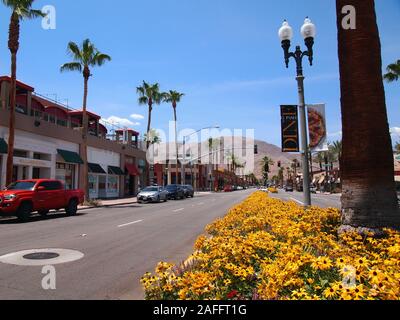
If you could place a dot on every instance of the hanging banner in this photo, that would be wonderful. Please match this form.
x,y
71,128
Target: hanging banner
x,y
317,129
290,129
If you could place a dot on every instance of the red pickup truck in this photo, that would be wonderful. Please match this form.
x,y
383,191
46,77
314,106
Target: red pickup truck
x,y
22,198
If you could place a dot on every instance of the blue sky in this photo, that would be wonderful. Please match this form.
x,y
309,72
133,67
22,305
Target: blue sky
x,y
223,54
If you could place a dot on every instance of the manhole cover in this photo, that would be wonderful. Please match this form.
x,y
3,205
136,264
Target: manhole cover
x,y
41,256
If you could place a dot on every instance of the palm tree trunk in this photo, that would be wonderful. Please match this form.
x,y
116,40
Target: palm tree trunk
x,y
149,125
369,198
85,125
13,45
176,144
148,141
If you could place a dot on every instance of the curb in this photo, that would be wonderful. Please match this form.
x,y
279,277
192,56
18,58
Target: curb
x,y
105,205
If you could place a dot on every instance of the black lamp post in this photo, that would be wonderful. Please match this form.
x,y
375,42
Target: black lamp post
x,y
308,32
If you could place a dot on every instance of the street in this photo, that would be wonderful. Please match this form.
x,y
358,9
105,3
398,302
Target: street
x,y
119,245
319,200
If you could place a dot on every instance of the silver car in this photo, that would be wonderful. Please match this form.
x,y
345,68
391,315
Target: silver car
x,y
152,194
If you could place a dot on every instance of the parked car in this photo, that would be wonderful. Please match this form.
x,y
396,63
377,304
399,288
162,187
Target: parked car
x,y
289,188
189,191
175,192
152,194
24,197
313,189
228,188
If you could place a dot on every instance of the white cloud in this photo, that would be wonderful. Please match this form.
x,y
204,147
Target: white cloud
x,y
335,134
395,133
120,122
137,116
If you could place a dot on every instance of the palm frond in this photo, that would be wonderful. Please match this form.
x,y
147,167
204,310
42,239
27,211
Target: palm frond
x,y
71,66
74,51
100,58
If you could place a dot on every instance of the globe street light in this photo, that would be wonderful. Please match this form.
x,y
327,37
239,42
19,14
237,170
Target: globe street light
x,y
308,31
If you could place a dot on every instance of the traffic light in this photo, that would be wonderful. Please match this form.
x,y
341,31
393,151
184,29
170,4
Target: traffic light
x,y
256,149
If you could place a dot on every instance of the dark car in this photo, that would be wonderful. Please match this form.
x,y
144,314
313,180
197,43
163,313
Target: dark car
x,y
175,191
189,191
289,188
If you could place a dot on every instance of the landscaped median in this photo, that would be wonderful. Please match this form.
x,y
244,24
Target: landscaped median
x,y
269,249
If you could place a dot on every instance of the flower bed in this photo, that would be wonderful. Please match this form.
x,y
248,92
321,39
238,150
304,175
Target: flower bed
x,y
269,249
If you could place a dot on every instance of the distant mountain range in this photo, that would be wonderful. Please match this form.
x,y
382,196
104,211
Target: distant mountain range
x,y
266,149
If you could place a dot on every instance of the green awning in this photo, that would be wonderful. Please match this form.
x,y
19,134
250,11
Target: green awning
x,y
96,168
115,171
3,146
70,157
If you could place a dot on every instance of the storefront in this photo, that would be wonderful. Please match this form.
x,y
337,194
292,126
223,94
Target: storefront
x,y
104,174
67,168
131,177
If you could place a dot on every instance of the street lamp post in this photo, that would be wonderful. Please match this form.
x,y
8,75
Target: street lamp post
x,y
308,32
183,173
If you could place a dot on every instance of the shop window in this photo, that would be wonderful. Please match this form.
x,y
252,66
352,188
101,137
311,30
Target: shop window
x,y
20,153
66,173
21,109
92,181
36,113
62,123
112,184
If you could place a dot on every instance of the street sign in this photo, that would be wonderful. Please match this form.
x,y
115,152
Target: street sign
x,y
290,128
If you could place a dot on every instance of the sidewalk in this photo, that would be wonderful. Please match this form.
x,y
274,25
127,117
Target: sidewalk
x,y
111,203
126,201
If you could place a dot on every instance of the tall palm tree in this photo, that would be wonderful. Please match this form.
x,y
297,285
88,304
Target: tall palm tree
x,y
266,164
397,148
84,58
149,94
369,198
21,9
393,72
174,98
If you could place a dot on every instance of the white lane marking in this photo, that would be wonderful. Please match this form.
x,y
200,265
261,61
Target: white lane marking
x,y
179,210
299,202
130,223
201,203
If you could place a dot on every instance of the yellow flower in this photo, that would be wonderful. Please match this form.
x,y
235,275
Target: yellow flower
x,y
330,293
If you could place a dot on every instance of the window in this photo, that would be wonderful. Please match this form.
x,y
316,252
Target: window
x,y
62,123
36,113
66,173
51,185
25,185
20,154
20,109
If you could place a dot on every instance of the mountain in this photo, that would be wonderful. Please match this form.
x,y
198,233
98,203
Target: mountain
x,y
266,149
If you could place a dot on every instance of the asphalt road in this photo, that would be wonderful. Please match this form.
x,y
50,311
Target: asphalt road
x,y
320,200
119,245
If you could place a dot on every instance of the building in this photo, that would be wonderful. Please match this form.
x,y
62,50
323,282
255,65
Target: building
x,y
48,144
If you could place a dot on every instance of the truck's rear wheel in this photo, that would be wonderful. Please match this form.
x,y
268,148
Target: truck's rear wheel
x,y
24,211
72,207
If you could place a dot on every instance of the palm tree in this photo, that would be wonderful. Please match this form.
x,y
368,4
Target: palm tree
x,y
393,72
266,164
336,150
149,94
369,198
152,137
397,148
174,98
21,9
84,58
281,176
